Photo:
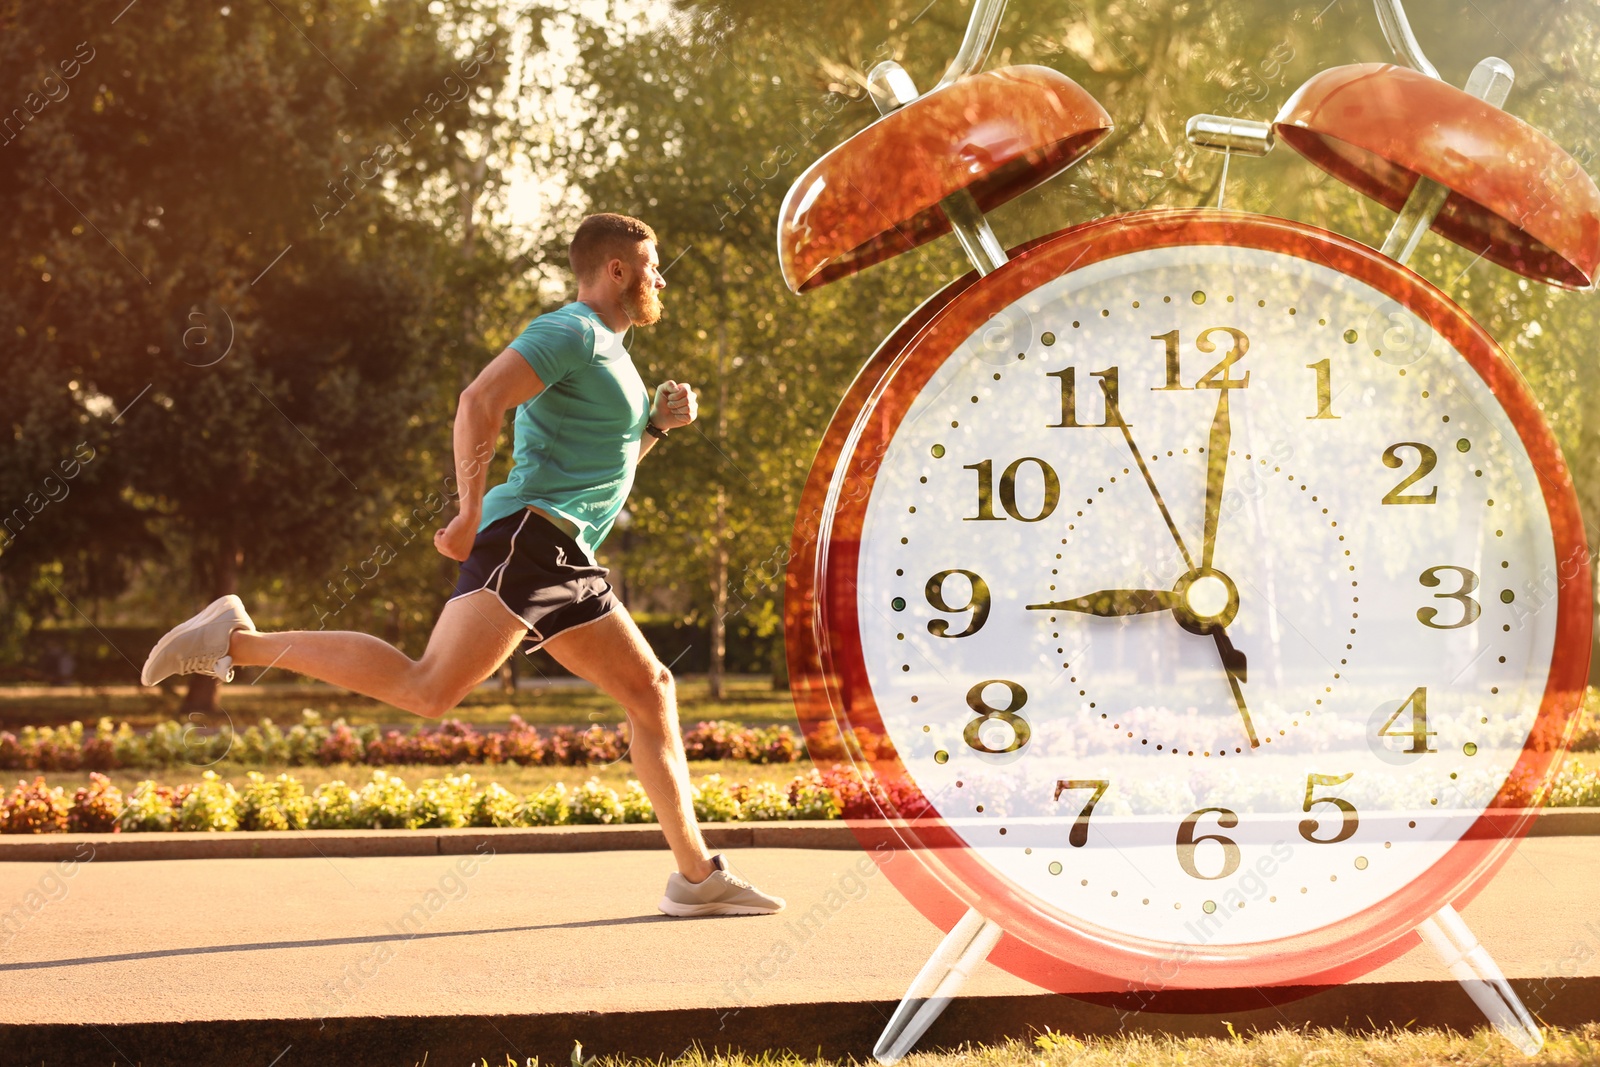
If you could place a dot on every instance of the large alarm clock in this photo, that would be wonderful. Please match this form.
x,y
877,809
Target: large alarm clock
x,y
1213,579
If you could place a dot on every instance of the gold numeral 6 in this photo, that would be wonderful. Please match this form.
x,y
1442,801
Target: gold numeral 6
x,y
1188,842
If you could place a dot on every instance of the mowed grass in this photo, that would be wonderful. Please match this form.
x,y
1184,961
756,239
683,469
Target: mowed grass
x,y
1274,1048
519,780
747,699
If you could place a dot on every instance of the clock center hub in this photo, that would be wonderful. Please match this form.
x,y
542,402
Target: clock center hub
x,y
1208,600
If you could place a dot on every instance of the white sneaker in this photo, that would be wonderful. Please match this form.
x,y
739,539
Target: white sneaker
x,y
200,645
723,893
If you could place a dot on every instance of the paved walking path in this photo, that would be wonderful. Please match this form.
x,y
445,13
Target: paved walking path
x,y
378,960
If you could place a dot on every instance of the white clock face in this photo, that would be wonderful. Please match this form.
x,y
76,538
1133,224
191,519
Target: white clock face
x,y
1055,579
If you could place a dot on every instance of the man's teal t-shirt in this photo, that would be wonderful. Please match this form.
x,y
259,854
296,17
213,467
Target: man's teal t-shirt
x,y
577,442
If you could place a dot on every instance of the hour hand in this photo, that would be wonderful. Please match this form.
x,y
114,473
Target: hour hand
x,y
1233,660
1233,664
1112,603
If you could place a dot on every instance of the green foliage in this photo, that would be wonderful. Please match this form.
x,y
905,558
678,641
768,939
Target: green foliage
x,y
172,742
245,293
636,806
810,798
686,136
714,800
702,121
495,806
592,802
446,802
148,808
763,802
279,804
550,806
211,805
1573,789
385,803
333,807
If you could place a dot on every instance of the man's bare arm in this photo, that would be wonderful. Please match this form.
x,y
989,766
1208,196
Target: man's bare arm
x,y
506,382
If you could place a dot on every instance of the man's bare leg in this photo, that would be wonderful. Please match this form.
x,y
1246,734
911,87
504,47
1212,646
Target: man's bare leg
x,y
474,635
614,655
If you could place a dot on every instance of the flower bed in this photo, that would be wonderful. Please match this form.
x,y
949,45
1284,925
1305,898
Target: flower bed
x,y
312,742
385,802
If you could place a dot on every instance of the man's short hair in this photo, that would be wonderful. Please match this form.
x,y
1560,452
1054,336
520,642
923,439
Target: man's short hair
x,y
602,238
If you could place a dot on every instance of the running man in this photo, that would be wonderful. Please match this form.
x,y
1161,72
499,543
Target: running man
x,y
527,549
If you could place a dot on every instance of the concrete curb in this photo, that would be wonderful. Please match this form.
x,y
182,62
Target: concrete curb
x,y
836,1029
266,844
271,844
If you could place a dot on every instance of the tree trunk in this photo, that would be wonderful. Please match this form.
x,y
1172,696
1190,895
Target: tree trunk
x,y
719,529
203,694
719,594
780,665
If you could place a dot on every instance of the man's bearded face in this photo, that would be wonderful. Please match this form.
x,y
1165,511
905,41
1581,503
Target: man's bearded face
x,y
642,300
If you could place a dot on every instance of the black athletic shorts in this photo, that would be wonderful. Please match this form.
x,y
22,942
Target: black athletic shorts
x,y
541,575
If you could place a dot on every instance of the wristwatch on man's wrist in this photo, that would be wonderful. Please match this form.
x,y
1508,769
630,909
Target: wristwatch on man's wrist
x,y
654,431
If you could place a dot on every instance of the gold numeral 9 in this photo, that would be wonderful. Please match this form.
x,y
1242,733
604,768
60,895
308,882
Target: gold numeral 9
x,y
977,603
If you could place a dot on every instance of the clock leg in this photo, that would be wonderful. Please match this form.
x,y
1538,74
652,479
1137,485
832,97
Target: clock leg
x,y
1480,976
966,945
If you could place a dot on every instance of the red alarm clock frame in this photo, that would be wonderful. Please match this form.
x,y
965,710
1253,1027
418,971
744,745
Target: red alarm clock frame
x,y
1438,155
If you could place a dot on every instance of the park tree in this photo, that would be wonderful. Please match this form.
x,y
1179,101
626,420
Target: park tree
x,y
699,122
703,119
219,281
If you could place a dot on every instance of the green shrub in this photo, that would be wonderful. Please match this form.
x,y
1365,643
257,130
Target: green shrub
x,y
385,804
128,747
811,798
262,743
279,804
714,801
592,802
636,806
211,805
148,808
333,807
496,806
764,802
1571,790
164,745
548,807
444,803
303,743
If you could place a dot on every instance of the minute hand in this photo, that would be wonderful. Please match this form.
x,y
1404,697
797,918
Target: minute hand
x,y
1112,603
1216,473
1172,527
